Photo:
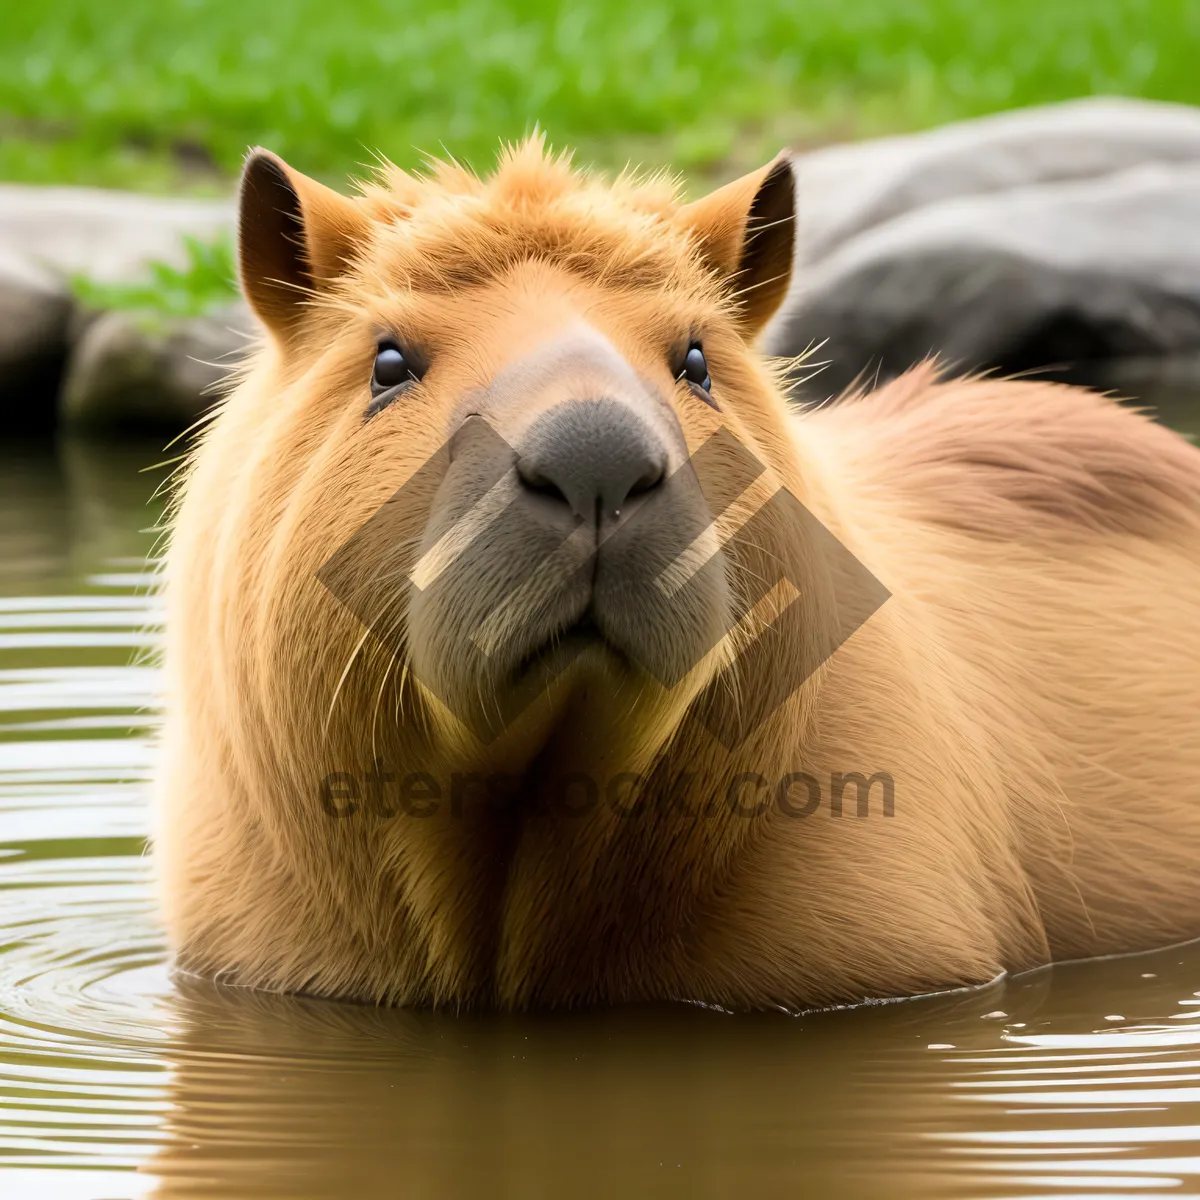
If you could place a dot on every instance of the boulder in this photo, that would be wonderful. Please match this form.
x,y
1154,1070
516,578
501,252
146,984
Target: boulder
x,y
108,236
36,312
844,190
136,371
1059,274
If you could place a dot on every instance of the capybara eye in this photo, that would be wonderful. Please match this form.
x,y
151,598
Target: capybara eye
x,y
392,371
391,368
695,371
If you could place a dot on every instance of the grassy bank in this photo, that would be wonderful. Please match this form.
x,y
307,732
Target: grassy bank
x,y
168,93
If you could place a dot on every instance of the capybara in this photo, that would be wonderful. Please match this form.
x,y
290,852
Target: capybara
x,y
525,647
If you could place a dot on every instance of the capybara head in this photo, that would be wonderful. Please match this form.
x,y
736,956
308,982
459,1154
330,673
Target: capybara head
x,y
469,514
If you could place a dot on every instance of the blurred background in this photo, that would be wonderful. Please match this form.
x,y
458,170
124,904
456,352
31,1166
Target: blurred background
x,y
166,95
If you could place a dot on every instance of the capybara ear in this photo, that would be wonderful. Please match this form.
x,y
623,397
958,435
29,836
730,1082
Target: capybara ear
x,y
746,230
294,235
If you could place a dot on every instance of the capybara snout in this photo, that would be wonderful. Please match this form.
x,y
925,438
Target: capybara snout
x,y
593,457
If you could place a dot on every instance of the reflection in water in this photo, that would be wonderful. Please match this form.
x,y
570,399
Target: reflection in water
x,y
117,1081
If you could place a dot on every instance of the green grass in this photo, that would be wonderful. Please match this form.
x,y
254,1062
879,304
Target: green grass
x,y
169,93
206,282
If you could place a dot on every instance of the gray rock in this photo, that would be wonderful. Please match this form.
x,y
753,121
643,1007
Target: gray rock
x,y
49,234
108,236
844,190
35,317
1067,273
131,371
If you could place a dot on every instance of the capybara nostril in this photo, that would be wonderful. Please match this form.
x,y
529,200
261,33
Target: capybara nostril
x,y
592,455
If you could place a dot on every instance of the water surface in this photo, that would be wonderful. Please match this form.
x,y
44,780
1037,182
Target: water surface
x,y
117,1081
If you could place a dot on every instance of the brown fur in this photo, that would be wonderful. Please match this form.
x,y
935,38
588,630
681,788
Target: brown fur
x,y
1031,685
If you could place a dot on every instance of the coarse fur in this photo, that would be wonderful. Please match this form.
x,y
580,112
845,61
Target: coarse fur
x,y
1031,685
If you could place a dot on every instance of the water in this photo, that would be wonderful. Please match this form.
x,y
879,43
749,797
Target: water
x,y
117,1081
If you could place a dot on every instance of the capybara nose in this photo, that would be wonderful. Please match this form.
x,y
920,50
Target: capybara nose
x,y
593,456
